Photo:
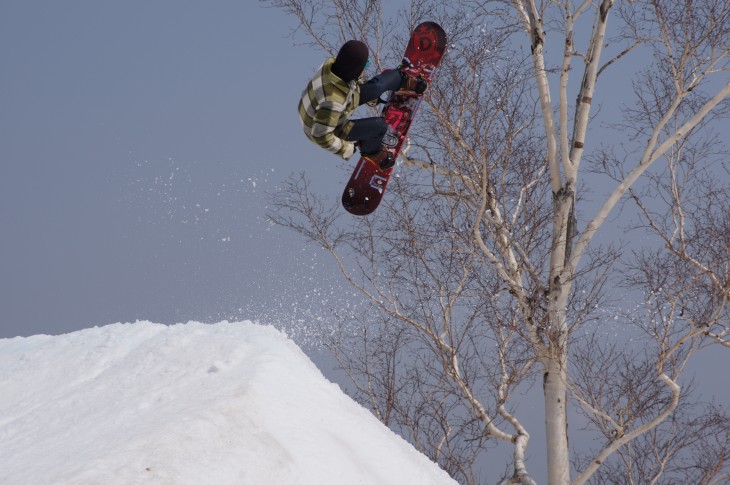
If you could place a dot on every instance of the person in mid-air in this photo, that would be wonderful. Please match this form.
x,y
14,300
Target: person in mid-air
x,y
335,92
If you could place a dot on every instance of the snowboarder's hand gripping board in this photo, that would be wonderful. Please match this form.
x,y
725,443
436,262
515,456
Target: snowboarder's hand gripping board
x,y
423,55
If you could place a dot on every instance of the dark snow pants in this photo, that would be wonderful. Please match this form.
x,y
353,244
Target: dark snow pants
x,y
369,132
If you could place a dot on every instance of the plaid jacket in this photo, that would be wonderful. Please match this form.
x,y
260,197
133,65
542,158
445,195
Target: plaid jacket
x,y
325,106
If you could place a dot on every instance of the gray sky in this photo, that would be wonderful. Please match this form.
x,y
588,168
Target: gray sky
x,y
138,142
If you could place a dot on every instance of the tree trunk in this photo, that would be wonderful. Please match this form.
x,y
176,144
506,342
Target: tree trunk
x,y
554,385
556,425
555,363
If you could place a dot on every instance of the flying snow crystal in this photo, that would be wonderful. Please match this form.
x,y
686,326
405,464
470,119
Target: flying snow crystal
x,y
228,403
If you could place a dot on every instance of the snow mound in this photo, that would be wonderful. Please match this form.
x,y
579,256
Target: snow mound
x,y
230,403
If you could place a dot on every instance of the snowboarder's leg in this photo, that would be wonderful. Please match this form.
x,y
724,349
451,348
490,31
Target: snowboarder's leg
x,y
385,81
369,133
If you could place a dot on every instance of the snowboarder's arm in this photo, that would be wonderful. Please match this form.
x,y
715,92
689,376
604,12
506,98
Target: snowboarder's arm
x,y
326,119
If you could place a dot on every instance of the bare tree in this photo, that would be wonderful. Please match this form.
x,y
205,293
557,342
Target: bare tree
x,y
478,273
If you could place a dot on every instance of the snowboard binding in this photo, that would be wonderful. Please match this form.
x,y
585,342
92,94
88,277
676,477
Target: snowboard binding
x,y
417,84
383,159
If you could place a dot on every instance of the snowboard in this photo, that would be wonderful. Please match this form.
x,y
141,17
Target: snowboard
x,y
366,186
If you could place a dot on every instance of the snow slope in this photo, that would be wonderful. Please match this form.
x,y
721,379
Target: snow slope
x,y
231,403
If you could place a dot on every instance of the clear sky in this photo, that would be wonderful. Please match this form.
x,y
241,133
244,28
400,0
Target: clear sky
x,y
138,141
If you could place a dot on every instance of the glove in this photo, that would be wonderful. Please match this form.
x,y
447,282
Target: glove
x,y
349,150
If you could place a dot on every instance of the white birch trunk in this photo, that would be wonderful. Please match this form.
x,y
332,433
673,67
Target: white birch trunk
x,y
555,364
556,426
563,178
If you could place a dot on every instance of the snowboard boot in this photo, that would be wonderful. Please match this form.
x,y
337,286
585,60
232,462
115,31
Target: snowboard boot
x,y
415,84
383,159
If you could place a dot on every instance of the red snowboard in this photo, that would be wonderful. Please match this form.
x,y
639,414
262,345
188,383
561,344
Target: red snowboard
x,y
423,55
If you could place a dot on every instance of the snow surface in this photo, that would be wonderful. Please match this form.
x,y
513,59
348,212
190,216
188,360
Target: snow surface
x,y
230,403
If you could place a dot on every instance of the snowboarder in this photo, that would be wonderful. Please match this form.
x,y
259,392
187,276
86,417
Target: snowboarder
x,y
335,92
